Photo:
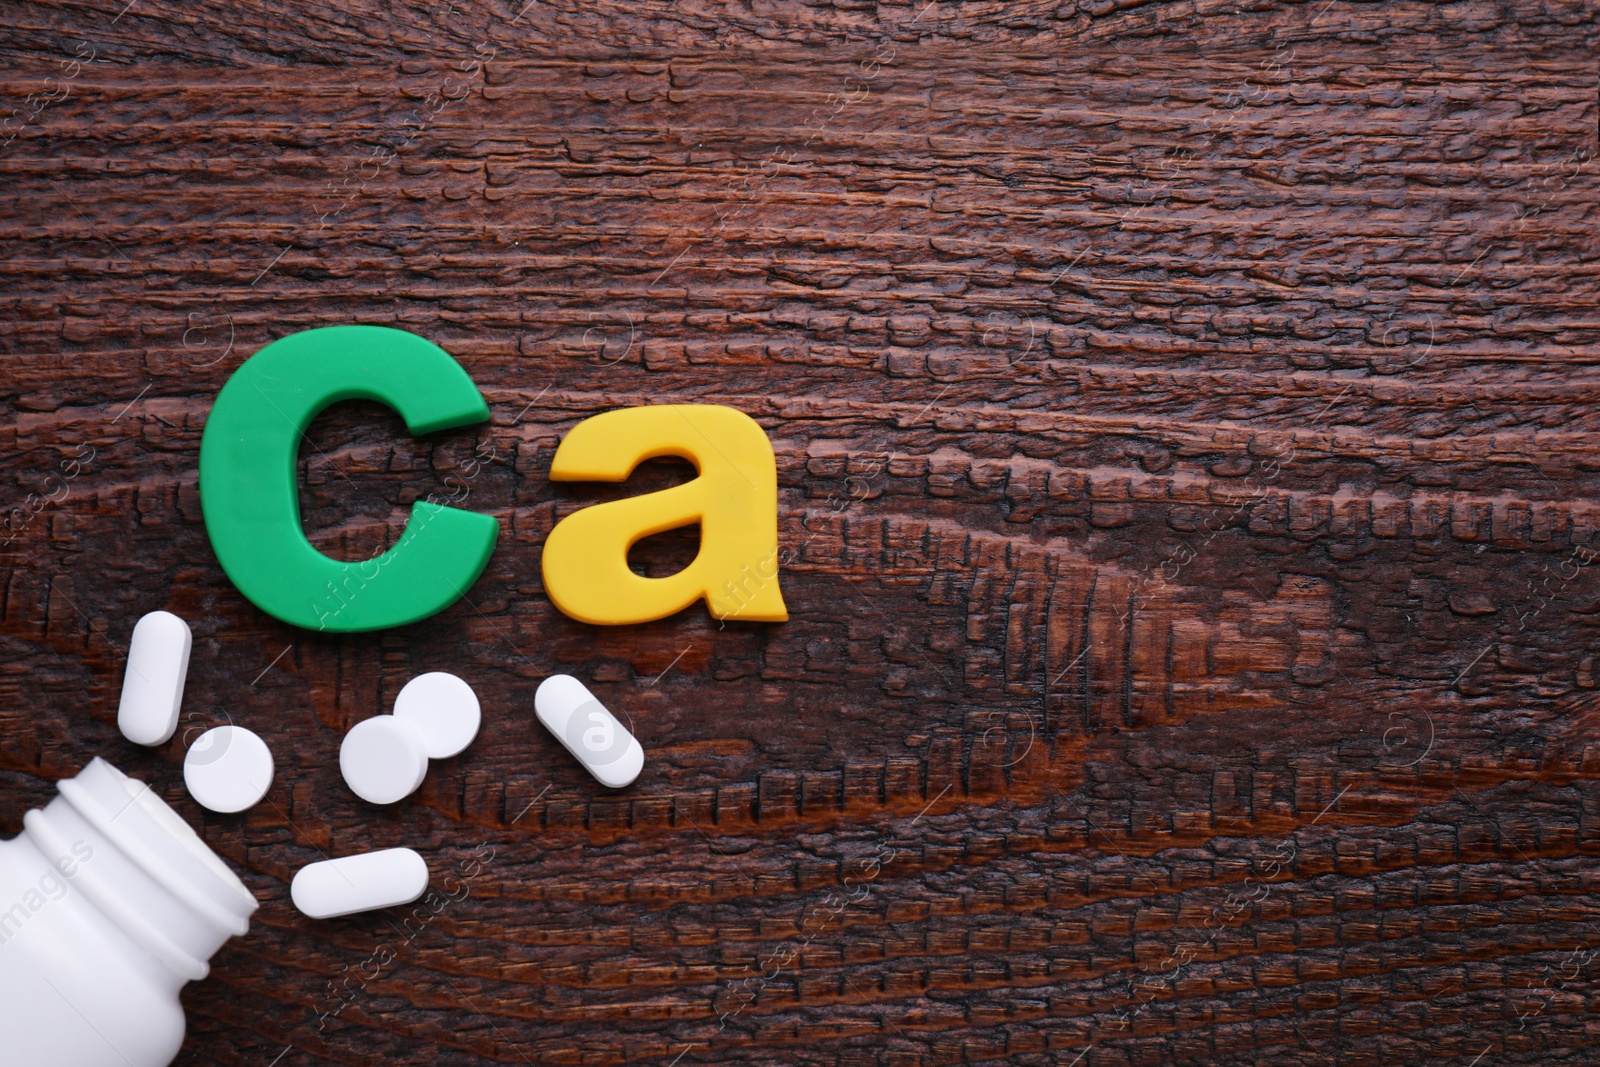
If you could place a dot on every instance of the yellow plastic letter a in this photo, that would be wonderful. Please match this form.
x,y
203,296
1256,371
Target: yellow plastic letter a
x,y
735,501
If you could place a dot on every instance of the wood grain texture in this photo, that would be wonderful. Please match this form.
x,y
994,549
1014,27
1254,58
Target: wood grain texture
x,y
1186,428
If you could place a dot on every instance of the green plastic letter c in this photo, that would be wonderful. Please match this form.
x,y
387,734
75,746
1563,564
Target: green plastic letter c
x,y
250,497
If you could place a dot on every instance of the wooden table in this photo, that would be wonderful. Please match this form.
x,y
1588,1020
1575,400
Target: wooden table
x,y
1186,430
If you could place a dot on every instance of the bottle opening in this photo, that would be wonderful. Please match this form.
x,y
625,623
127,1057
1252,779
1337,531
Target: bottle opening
x,y
155,879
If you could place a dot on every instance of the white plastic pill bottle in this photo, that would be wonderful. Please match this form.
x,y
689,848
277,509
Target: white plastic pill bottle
x,y
109,903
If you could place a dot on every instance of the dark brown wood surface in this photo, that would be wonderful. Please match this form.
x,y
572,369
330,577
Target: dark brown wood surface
x,y
1186,429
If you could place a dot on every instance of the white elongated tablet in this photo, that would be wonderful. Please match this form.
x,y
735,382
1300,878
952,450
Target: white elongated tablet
x,y
383,759
588,730
228,769
363,882
444,709
152,686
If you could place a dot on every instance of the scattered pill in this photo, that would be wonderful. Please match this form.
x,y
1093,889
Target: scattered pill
x,y
228,769
152,686
444,709
588,730
363,882
383,759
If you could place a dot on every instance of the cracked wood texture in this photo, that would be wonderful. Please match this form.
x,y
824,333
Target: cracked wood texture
x,y
1186,432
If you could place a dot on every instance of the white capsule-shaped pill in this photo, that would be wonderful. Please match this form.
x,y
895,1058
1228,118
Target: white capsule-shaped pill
x,y
364,882
152,686
383,759
588,730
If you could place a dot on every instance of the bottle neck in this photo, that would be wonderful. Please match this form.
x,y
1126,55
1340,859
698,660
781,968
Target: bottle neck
x,y
143,867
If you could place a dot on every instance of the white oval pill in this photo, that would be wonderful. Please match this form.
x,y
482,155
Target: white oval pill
x,y
444,709
383,759
363,882
152,686
588,730
228,769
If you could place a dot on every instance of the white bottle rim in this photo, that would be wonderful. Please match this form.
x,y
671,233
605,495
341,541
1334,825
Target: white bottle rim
x,y
164,849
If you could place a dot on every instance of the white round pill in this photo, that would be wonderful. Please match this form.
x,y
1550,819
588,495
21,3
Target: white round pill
x,y
227,769
444,709
383,759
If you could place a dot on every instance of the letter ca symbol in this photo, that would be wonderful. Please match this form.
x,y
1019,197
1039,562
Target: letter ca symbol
x,y
249,496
